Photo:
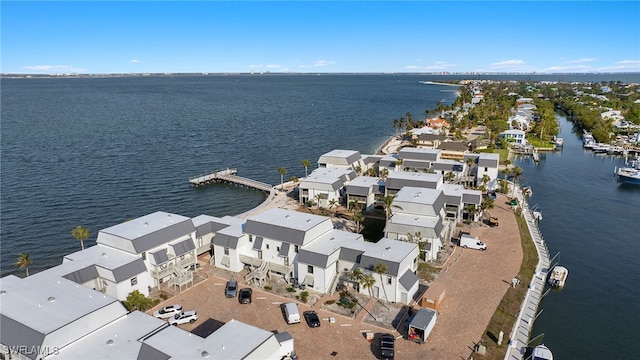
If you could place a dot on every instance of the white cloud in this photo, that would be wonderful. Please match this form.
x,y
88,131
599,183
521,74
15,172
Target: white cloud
x,y
437,66
507,63
59,69
323,63
583,60
413,67
622,66
135,61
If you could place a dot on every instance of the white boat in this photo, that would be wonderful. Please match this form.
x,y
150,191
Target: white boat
x,y
558,276
559,142
629,174
588,140
537,215
601,148
541,352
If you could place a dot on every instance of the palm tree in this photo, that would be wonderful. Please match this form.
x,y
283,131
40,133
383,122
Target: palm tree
x,y
80,233
358,217
23,262
470,162
306,163
294,179
333,203
449,176
388,200
354,205
384,173
318,197
367,282
381,268
282,172
516,172
485,180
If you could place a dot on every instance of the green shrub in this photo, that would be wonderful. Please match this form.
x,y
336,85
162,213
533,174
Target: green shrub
x,y
290,289
164,296
304,294
268,287
329,302
297,297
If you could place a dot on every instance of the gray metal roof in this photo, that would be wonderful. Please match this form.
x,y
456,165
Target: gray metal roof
x,y
364,185
160,256
148,352
17,334
419,154
183,247
284,249
206,224
489,160
416,164
408,223
453,146
225,240
313,258
129,270
389,252
448,165
408,279
350,254
400,179
472,197
369,263
371,159
431,137
257,245
83,275
287,225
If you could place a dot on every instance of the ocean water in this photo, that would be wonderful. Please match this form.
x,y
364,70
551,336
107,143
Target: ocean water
x,y
98,151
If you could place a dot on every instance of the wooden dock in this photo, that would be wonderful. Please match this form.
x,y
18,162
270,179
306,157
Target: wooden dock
x,y
229,176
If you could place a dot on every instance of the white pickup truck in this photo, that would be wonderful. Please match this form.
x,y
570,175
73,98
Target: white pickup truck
x,y
471,242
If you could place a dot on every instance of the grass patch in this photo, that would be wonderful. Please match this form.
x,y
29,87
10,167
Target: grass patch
x,y
427,272
505,315
504,153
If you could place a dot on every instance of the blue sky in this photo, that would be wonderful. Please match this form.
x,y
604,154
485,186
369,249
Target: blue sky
x,y
314,37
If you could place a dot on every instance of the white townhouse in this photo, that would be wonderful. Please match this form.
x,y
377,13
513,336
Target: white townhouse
x,y
341,158
487,164
330,260
164,241
46,316
399,179
388,163
457,198
227,245
108,270
457,169
206,227
419,213
324,185
417,159
45,312
365,190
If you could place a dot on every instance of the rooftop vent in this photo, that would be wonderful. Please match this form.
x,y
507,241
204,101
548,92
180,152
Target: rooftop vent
x,y
146,223
109,342
388,248
204,354
2,292
287,216
104,254
51,299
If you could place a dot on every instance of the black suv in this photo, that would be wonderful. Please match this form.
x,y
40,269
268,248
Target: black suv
x,y
387,344
244,296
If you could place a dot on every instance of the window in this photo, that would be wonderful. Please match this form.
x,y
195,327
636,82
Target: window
x,y
310,269
295,247
486,169
286,261
260,254
226,251
134,281
389,280
144,256
267,246
250,238
278,248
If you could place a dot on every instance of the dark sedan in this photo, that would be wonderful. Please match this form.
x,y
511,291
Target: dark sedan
x,y
312,319
244,296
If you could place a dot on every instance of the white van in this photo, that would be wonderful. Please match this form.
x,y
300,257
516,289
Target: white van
x,y
291,313
472,242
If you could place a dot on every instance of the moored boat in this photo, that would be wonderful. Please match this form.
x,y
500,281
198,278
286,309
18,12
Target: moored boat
x,y
558,276
588,141
541,352
629,174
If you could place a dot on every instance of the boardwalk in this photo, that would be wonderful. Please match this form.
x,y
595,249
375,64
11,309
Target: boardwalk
x,y
229,176
519,338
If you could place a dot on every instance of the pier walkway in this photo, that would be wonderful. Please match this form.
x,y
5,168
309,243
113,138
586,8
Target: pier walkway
x,y
519,338
229,176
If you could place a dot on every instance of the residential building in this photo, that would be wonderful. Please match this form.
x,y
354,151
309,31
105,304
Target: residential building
x,y
324,185
365,190
514,136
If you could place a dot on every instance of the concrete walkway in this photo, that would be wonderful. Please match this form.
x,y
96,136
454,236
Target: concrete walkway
x,y
519,337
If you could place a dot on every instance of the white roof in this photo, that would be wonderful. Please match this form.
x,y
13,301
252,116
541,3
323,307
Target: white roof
x,y
365,181
117,340
417,195
414,220
45,302
418,176
144,225
333,240
391,250
100,255
234,340
289,219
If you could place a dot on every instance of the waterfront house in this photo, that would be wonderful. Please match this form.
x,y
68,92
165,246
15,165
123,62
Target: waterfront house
x,y
164,241
514,136
428,141
452,171
228,247
418,216
453,150
417,159
324,185
341,158
488,164
399,179
365,190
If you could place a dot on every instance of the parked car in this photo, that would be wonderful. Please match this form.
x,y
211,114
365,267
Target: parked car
x,y
290,312
184,317
387,347
312,319
167,311
244,296
231,289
